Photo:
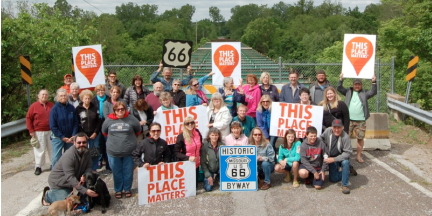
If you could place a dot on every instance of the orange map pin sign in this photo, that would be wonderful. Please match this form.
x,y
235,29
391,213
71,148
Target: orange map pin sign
x,y
359,50
88,61
226,58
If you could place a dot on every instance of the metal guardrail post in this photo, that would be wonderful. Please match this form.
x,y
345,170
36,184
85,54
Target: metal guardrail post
x,y
13,127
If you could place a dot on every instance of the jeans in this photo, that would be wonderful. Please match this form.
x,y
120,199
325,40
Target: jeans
x,y
335,175
95,143
57,149
267,168
207,186
122,169
53,195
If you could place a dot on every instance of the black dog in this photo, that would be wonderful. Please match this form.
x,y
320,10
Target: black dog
x,y
96,184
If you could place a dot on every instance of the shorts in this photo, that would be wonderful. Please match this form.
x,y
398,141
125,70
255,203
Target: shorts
x,y
317,182
287,167
357,129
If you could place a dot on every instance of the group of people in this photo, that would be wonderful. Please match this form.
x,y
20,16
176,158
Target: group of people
x,y
118,123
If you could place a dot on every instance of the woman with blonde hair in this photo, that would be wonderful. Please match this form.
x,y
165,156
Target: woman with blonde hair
x,y
188,144
166,99
334,108
263,118
218,114
265,157
194,94
267,88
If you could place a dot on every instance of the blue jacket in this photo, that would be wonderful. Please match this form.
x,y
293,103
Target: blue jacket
x,y
286,93
363,94
237,98
63,120
263,121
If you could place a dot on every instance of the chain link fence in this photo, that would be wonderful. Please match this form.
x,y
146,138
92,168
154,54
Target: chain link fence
x,y
384,72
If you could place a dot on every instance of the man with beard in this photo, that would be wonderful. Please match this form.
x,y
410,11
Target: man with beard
x,y
68,172
153,98
167,81
317,89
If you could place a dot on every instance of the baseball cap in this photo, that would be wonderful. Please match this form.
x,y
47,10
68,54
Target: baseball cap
x,y
320,71
337,123
67,75
357,81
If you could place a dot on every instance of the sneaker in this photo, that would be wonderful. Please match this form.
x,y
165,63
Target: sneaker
x,y
38,171
346,190
353,171
287,178
265,186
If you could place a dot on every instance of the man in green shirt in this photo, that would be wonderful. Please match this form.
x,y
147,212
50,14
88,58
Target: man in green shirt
x,y
356,100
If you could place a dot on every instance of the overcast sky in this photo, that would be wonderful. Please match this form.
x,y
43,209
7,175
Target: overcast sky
x,y
202,7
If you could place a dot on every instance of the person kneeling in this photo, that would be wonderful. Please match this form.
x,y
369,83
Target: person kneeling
x,y
265,157
289,157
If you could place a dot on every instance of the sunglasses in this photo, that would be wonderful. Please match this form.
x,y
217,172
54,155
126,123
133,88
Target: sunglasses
x,y
112,76
265,101
257,135
154,131
81,142
120,109
195,84
189,123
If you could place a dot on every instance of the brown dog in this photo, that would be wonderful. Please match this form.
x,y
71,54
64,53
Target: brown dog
x,y
63,205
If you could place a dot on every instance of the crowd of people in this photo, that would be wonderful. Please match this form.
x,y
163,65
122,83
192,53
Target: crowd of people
x,y
117,126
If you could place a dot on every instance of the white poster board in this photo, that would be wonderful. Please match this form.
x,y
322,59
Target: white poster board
x,y
172,121
226,62
359,56
88,65
166,181
296,116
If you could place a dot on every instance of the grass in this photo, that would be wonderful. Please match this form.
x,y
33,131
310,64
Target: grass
x,y
15,150
398,127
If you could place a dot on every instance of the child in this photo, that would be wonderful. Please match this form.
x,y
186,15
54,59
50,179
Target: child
x,y
312,167
289,157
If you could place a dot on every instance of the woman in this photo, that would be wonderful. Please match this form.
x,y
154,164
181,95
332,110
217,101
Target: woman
x,y
89,122
210,157
144,114
264,117
111,101
121,130
154,149
63,123
218,114
99,101
236,138
73,97
179,96
136,91
305,97
265,157
334,108
37,121
267,88
230,96
188,144
165,99
289,157
194,96
252,93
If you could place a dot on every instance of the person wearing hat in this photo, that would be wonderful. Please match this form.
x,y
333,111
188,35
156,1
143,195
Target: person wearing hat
x,y
317,89
37,122
356,100
68,79
337,155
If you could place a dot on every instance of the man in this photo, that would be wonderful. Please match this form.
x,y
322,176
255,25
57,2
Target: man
x,y
356,100
317,89
68,172
248,123
339,149
167,80
68,79
113,81
290,91
153,98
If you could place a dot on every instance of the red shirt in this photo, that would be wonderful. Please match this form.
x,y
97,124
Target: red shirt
x,y
37,118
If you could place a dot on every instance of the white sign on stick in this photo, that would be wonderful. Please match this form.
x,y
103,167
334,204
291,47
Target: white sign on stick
x,y
88,65
359,56
226,62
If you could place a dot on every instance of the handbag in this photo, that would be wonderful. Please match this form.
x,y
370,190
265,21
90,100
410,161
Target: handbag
x,y
94,152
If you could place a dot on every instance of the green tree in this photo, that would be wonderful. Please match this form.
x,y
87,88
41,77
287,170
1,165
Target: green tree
x,y
261,34
241,17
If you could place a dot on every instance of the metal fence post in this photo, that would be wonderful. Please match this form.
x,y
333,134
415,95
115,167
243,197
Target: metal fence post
x,y
280,69
392,74
378,79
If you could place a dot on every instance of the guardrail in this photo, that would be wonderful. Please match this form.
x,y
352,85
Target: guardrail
x,y
13,127
410,110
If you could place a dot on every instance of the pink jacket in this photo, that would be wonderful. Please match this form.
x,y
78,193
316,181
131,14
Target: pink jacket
x,y
231,141
252,98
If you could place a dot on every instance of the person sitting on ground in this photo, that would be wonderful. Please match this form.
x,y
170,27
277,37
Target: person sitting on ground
x,y
236,138
289,157
210,158
247,122
153,98
218,114
68,173
312,167
166,81
68,79
179,96
338,151
73,97
136,91
113,81
265,157
154,149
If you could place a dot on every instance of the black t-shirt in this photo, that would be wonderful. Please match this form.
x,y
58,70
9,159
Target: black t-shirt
x,y
334,149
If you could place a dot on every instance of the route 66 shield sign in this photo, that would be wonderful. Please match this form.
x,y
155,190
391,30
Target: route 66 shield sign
x,y
238,168
176,53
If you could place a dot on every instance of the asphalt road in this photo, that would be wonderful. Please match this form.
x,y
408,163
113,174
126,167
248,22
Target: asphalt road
x,y
382,187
